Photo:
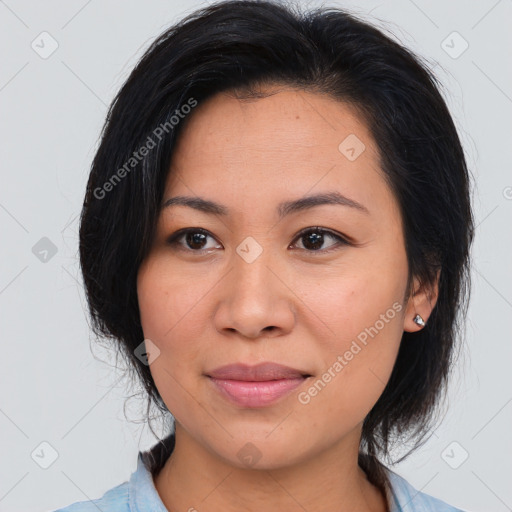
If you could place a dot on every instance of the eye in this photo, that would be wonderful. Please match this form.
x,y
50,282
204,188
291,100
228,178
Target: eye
x,y
195,240
190,238
314,239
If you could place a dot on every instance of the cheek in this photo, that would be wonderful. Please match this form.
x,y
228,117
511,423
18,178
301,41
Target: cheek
x,y
168,302
357,360
362,318
167,319
346,303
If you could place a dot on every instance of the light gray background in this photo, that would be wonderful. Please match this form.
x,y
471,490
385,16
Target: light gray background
x,y
52,109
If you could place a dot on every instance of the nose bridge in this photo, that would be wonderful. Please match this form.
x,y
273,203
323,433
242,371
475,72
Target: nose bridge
x,y
251,272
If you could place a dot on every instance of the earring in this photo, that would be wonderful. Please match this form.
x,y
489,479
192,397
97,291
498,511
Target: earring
x,y
419,321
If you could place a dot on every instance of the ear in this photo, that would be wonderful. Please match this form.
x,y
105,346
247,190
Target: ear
x,y
421,302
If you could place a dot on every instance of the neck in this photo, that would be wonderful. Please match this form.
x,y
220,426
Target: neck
x,y
194,479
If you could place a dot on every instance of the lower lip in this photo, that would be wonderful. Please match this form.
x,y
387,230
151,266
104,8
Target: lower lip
x,y
256,394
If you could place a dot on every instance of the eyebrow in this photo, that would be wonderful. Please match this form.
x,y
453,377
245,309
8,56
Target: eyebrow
x,y
283,209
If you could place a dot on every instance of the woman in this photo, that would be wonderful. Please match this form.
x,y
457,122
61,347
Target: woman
x,y
276,231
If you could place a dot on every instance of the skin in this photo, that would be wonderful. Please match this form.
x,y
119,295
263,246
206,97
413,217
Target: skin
x,y
292,305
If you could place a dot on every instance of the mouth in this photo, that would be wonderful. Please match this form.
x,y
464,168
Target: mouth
x,y
259,373
256,386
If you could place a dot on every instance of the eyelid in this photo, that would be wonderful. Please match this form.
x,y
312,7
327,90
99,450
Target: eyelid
x,y
342,239
174,238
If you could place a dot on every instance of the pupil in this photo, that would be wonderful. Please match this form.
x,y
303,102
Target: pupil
x,y
316,240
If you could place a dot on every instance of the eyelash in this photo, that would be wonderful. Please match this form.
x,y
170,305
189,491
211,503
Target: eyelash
x,y
174,239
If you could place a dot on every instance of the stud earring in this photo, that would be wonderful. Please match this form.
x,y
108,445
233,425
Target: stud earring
x,y
419,321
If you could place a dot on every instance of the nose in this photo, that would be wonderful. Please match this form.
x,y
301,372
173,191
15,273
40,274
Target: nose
x,y
255,299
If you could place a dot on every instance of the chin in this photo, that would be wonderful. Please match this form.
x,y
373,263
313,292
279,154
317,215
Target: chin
x,y
261,452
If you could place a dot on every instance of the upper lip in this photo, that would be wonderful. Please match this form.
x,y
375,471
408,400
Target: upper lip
x,y
259,372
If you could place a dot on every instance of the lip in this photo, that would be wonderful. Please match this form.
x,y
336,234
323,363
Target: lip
x,y
257,373
256,386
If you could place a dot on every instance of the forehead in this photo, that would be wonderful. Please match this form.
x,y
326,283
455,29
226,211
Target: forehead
x,y
284,145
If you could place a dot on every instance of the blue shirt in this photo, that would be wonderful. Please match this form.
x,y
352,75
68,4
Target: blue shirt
x,y
139,494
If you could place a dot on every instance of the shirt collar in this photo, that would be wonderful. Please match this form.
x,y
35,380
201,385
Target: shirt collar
x,y
143,493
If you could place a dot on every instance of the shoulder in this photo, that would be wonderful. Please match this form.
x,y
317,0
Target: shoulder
x,y
116,499
408,499
138,494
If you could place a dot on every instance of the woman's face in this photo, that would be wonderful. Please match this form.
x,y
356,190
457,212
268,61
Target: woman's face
x,y
249,287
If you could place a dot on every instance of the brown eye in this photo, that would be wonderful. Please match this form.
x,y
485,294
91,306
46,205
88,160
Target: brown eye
x,y
315,238
195,240
192,239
